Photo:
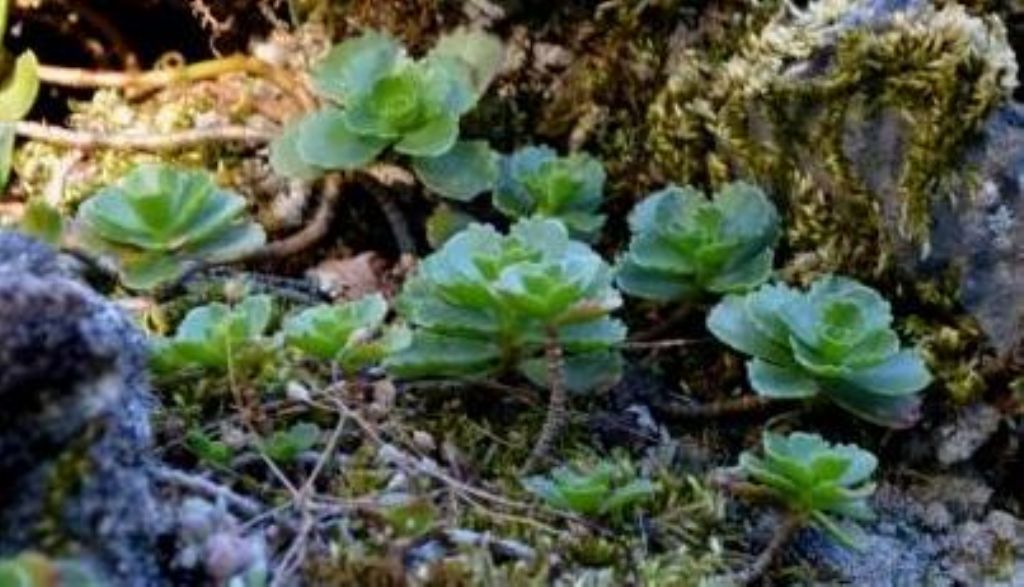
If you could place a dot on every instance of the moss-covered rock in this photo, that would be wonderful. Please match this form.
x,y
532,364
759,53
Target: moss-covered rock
x,y
884,129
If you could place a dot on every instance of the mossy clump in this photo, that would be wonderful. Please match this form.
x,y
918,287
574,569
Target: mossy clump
x,y
825,106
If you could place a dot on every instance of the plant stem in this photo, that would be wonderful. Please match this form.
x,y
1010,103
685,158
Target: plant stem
x,y
397,222
557,406
313,232
783,534
727,407
664,326
154,142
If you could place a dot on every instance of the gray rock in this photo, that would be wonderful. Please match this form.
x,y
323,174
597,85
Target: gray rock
x,y
957,441
908,546
74,428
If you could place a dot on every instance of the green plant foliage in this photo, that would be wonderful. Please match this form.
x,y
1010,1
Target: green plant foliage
x,y
467,170
217,336
407,515
444,223
684,245
348,334
535,181
158,219
208,449
835,340
484,303
31,569
42,221
815,479
380,98
19,87
285,446
601,489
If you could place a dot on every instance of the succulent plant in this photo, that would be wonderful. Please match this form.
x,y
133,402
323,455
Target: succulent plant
x,y
815,480
684,245
599,490
158,219
484,304
216,336
835,340
284,446
348,333
535,181
380,98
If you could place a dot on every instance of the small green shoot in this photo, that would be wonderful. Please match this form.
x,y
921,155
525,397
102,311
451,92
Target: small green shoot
x,y
217,337
349,334
284,446
603,489
814,480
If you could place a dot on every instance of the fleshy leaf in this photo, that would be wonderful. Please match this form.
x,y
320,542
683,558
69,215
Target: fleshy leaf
x,y
780,382
481,53
435,138
354,66
18,91
325,141
465,171
285,158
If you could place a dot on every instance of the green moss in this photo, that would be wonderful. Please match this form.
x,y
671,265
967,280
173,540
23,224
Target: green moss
x,y
784,108
68,472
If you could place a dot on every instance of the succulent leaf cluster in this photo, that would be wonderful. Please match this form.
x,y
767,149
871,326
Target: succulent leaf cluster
x,y
348,333
599,490
684,245
216,336
380,98
815,479
535,181
834,340
158,219
485,304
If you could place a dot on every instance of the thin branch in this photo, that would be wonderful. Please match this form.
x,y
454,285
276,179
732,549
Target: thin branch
x,y
667,324
557,408
159,78
718,409
244,505
783,534
153,142
657,345
396,221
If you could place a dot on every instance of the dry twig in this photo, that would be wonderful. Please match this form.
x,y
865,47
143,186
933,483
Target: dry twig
x,y
159,78
153,142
